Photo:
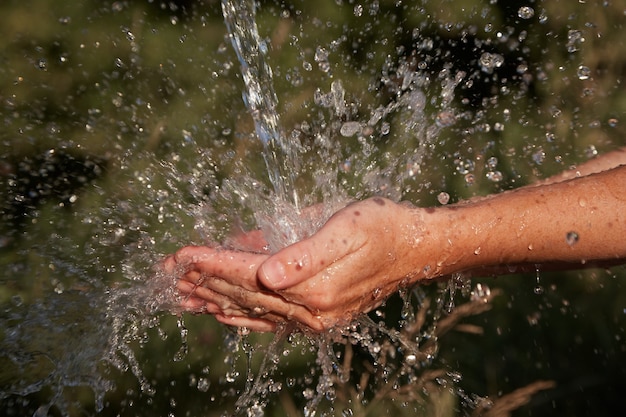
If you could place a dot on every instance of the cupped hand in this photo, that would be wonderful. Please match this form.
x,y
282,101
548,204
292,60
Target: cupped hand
x,y
350,266
357,259
224,283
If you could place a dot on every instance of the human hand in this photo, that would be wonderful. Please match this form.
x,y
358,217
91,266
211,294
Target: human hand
x,y
350,266
223,283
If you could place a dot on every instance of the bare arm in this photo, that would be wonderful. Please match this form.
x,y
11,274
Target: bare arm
x,y
369,249
569,223
601,163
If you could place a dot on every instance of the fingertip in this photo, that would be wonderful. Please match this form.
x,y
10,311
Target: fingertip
x,y
290,266
193,254
272,274
167,265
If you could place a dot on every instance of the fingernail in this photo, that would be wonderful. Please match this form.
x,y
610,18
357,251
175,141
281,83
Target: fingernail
x,y
274,273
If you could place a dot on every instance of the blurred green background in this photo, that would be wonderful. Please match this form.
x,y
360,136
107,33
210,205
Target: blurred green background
x,y
120,118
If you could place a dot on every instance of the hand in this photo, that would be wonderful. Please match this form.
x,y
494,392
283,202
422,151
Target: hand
x,y
358,258
223,283
350,266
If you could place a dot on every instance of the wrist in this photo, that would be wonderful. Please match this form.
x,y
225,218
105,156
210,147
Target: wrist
x,y
431,241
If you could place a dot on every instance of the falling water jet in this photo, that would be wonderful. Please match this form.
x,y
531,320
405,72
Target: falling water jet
x,y
260,97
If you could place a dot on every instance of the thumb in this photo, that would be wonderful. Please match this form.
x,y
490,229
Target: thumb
x,y
301,261
288,267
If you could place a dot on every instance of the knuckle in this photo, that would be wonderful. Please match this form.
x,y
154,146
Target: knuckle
x,y
324,301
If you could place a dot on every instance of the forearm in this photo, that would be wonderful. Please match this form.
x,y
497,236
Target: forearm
x,y
573,222
601,163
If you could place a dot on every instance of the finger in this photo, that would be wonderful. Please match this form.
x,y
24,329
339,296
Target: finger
x,y
236,267
259,303
304,259
254,324
167,265
252,241
198,305
215,302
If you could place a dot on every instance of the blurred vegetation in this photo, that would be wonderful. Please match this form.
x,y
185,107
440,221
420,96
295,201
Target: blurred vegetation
x,y
120,117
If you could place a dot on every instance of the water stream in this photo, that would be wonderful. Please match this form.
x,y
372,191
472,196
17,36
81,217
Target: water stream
x,y
125,138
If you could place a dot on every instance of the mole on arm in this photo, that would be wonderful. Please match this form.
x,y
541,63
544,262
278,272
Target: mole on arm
x,y
379,201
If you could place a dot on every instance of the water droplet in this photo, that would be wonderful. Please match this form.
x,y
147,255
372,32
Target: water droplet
x,y
489,61
591,151
574,39
539,156
321,54
571,238
376,293
42,64
321,57
494,176
480,293
203,384
385,128
410,359
492,163
526,12
231,376
308,393
583,73
347,413
130,36
464,167
455,376
358,10
445,118
350,129
443,198
538,287
613,122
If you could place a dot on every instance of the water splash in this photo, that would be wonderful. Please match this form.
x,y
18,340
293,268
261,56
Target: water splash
x,y
368,362
356,135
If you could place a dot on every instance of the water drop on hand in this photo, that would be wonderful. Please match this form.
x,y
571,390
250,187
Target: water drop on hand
x,y
571,238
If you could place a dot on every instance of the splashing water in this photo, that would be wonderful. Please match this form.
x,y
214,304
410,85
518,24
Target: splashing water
x,y
446,98
418,345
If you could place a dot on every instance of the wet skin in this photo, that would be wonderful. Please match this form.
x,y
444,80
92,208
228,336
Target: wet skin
x,y
345,270
370,249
